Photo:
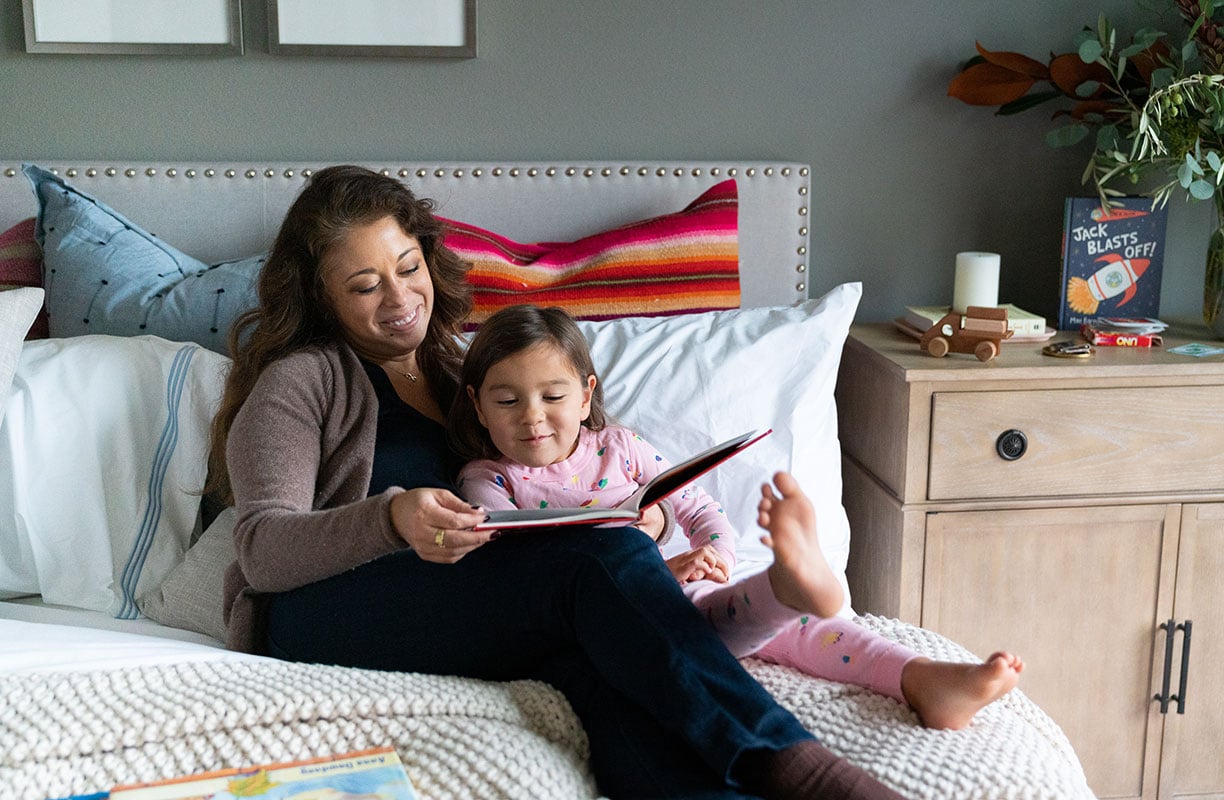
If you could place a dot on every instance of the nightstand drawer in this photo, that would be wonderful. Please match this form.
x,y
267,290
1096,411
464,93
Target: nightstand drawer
x,y
1078,441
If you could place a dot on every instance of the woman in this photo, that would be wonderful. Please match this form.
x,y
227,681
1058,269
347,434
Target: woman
x,y
354,550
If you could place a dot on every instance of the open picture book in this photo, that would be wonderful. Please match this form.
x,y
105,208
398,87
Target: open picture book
x,y
657,488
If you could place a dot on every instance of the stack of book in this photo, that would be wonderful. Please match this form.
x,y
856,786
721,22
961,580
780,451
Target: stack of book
x,y
1123,331
366,773
1025,326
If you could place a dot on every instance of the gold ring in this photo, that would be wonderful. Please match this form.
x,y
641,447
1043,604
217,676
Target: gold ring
x,y
440,538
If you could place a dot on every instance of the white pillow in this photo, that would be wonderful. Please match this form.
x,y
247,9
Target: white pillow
x,y
103,451
687,383
18,307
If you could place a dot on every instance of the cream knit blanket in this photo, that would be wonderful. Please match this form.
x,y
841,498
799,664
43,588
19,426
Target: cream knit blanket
x,y
73,733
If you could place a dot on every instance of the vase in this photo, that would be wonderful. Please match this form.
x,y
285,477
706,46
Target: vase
x,y
1213,276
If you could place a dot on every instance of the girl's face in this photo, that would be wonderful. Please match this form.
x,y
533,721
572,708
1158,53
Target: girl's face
x,y
379,287
533,404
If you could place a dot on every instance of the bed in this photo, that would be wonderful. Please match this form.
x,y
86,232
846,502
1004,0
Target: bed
x,y
109,585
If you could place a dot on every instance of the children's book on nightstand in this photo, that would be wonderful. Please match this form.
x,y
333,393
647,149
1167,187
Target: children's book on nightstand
x,y
1024,325
1112,260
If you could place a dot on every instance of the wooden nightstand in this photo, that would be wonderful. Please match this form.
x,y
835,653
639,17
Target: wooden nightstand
x,y
1063,509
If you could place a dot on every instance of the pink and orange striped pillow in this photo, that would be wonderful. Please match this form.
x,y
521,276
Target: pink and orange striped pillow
x,y
678,263
21,265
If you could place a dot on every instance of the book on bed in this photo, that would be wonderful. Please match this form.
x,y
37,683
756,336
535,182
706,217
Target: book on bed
x,y
650,493
365,773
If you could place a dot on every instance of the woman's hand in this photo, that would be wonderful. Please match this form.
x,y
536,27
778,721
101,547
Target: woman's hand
x,y
437,524
704,563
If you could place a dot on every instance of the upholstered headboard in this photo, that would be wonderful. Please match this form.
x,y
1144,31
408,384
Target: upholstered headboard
x,y
217,211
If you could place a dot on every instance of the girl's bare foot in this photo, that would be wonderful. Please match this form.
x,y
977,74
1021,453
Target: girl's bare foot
x,y
946,695
800,576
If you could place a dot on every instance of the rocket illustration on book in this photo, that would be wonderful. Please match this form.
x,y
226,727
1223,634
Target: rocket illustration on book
x,y
1118,276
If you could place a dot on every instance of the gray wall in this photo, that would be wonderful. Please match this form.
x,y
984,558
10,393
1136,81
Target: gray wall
x,y
904,177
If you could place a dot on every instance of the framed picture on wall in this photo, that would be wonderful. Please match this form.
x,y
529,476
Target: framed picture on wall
x,y
195,27
403,28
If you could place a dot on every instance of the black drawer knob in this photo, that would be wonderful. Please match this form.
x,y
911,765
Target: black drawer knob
x,y
1011,444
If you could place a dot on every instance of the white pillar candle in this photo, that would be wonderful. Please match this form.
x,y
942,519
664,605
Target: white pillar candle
x,y
977,281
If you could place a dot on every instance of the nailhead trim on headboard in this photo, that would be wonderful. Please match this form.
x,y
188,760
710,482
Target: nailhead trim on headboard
x,y
473,173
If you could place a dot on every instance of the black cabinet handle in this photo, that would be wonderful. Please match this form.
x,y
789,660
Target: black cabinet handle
x,y
1170,628
1180,697
1011,444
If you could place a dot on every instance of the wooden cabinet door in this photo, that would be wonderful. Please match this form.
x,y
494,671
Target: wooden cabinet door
x,y
1192,758
1077,593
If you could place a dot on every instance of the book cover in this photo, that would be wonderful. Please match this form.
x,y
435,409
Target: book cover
x,y
660,486
1112,260
365,773
1019,321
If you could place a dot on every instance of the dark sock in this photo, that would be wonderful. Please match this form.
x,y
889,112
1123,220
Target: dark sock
x,y
808,771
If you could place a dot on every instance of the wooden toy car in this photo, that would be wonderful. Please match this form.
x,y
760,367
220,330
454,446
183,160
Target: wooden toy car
x,y
979,331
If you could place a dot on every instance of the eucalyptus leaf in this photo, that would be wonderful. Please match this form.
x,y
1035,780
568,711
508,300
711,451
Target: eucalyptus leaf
x,y
1202,190
1087,88
1067,135
1185,176
1193,165
1090,51
1213,160
1163,76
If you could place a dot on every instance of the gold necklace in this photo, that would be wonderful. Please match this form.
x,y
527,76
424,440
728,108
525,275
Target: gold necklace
x,y
394,368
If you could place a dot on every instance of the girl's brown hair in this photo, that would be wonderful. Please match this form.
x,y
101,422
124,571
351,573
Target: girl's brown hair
x,y
509,331
294,312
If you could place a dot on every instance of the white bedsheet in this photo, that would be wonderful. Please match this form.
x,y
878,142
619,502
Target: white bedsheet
x,y
36,637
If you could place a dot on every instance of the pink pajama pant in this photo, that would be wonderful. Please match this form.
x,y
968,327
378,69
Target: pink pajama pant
x,y
751,622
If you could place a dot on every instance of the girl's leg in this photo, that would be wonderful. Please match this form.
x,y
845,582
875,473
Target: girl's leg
x,y
745,613
944,694
836,649
667,708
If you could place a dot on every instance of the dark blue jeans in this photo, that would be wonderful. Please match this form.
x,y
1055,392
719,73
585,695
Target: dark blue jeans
x,y
592,611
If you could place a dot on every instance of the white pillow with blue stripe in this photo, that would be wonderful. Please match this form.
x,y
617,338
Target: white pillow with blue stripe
x,y
103,451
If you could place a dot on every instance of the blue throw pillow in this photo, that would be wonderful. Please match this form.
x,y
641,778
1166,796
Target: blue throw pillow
x,y
104,275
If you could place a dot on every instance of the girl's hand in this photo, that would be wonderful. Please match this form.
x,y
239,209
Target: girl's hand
x,y
652,522
704,563
437,524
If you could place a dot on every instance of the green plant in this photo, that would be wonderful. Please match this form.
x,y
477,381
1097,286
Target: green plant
x,y
1154,101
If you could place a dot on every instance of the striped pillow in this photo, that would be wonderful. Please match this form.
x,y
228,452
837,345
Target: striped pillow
x,y
21,265
678,263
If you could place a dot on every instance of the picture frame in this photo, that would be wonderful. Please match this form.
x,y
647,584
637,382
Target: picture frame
x,y
395,28
121,27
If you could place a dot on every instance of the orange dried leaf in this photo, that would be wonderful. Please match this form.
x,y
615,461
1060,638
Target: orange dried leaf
x,y
1150,60
1068,71
987,84
1016,63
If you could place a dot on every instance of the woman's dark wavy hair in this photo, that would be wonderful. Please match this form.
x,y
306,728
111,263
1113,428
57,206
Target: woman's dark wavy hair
x,y
294,311
507,332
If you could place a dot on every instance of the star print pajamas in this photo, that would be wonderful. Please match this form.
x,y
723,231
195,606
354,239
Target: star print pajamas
x,y
606,468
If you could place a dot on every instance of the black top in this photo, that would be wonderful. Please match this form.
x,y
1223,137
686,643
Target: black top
x,y
410,449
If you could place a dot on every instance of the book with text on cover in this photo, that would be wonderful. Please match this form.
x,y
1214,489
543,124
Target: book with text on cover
x,y
656,489
1112,259
1019,321
376,773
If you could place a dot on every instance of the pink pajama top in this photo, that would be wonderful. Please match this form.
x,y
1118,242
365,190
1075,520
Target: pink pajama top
x,y
604,470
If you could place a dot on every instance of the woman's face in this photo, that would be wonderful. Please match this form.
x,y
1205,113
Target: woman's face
x,y
380,290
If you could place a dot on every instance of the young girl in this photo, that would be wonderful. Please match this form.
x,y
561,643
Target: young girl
x,y
532,417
